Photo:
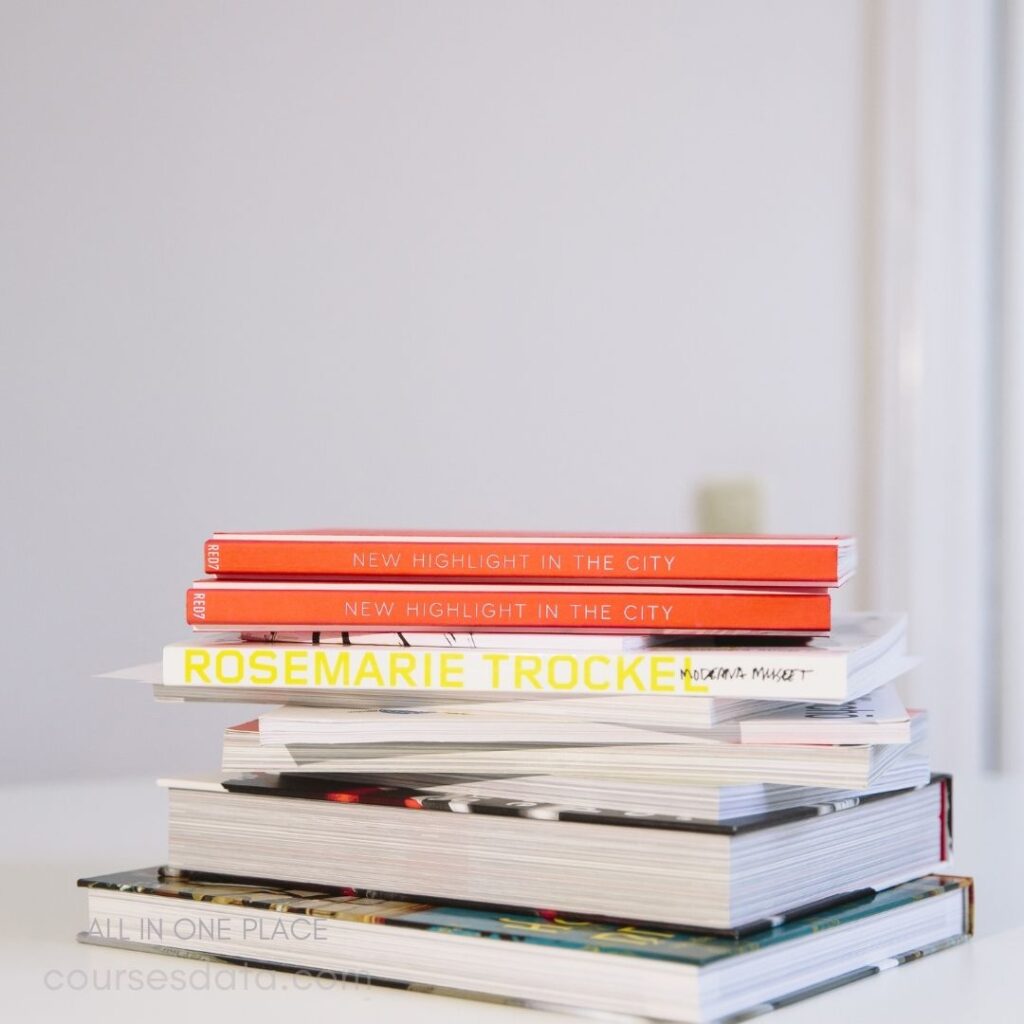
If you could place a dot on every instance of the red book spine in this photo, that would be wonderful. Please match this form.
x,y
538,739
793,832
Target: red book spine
x,y
219,605
623,560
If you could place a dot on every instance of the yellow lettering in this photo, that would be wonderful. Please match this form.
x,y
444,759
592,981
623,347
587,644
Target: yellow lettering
x,y
402,664
323,674
451,670
368,670
220,667
588,675
296,668
543,927
569,683
527,668
689,686
628,670
197,661
262,668
495,660
639,936
661,668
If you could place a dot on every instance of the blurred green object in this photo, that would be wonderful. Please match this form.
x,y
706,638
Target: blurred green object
x,y
730,506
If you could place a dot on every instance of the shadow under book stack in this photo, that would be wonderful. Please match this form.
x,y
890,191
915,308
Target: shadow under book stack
x,y
657,764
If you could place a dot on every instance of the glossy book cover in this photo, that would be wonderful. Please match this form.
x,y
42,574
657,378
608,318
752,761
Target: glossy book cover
x,y
541,927
354,791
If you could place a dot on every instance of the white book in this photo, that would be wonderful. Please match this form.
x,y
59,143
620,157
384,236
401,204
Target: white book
x,y
695,712
689,758
341,727
865,651
732,876
878,717
690,713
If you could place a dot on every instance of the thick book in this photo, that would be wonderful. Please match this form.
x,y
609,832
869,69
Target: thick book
x,y
863,652
546,959
554,796
728,877
792,561
245,605
686,757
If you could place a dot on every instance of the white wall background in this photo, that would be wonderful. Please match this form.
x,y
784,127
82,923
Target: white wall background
x,y
538,265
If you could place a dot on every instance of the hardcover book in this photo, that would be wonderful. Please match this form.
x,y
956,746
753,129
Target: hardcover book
x,y
807,561
726,877
542,958
699,801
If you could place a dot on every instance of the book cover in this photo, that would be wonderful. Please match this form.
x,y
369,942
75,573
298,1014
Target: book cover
x,y
863,652
545,927
540,958
797,561
257,605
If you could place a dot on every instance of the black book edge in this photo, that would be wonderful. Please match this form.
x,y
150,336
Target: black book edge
x,y
346,789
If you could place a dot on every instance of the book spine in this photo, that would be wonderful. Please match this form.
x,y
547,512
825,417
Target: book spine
x,y
237,606
784,675
664,563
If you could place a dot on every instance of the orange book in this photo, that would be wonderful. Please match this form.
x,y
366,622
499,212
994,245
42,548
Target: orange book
x,y
366,607
655,559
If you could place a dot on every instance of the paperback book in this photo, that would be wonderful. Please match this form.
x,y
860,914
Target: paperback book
x,y
693,756
879,718
247,605
863,652
808,561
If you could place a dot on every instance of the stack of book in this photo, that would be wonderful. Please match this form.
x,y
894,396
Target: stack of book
x,y
655,762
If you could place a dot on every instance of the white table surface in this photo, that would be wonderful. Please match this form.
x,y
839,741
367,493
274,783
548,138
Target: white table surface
x,y
56,833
